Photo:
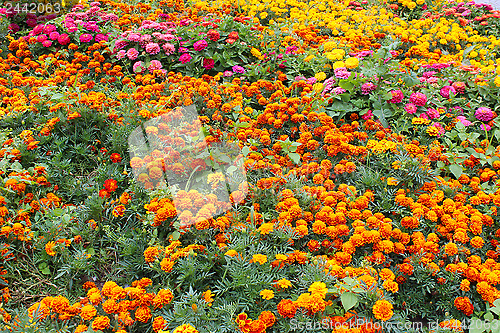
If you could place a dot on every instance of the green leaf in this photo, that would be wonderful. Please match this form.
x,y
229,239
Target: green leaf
x,y
91,251
294,157
476,326
347,85
245,150
489,316
176,235
456,170
44,268
57,212
349,300
496,308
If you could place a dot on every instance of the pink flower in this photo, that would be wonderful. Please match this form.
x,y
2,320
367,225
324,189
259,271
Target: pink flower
x,y
440,128
41,38
100,37
154,65
133,37
397,96
368,87
132,54
200,45
342,73
168,48
367,115
47,43
152,48
484,114
185,58
63,39
49,28
54,35
38,29
121,54
433,113
446,90
418,98
138,67
85,38
31,22
208,63
464,121
410,108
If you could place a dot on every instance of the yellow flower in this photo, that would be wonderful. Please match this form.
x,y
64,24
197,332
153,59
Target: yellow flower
x,y
497,81
392,181
382,310
338,64
260,258
351,62
266,228
318,288
320,76
267,294
231,253
49,248
281,257
284,283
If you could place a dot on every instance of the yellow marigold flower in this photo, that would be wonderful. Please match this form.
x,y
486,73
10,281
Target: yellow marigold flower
x,y
260,258
338,64
185,328
281,257
497,81
351,62
267,294
283,284
266,228
392,181
231,253
320,76
49,248
391,286
382,310
318,288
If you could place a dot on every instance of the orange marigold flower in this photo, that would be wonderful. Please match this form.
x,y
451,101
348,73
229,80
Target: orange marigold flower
x,y
151,254
100,323
159,323
143,314
382,310
287,308
268,318
267,294
391,286
185,328
88,312
464,305
260,258
81,329
49,248
318,288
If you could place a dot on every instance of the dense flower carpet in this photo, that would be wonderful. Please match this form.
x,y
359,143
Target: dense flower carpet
x,y
249,166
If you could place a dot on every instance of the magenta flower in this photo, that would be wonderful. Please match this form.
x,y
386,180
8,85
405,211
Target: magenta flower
x,y
63,39
367,115
433,113
484,114
338,91
208,64
49,28
200,45
47,43
138,67
185,58
410,108
342,73
152,48
85,38
440,128
41,38
238,69
121,54
418,98
101,37
368,87
446,90
132,54
54,35
485,127
38,29
397,96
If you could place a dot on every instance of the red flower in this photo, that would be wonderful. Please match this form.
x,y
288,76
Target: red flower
x,y
208,63
233,37
115,158
103,194
110,185
213,35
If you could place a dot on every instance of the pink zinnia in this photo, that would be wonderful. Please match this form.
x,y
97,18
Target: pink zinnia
x,y
397,96
440,128
85,38
132,54
418,98
54,35
47,43
63,39
49,28
446,90
464,121
41,38
185,58
138,68
410,108
133,37
121,54
484,114
200,45
168,48
433,113
367,115
154,65
152,48
368,87
100,37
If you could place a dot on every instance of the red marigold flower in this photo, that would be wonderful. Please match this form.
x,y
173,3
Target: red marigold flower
x,y
110,185
115,158
287,308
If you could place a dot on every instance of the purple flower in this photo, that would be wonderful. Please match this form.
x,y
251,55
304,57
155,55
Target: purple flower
x,y
238,69
464,121
446,90
484,114
85,38
200,45
152,48
31,22
397,96
418,98
185,58
132,54
410,108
